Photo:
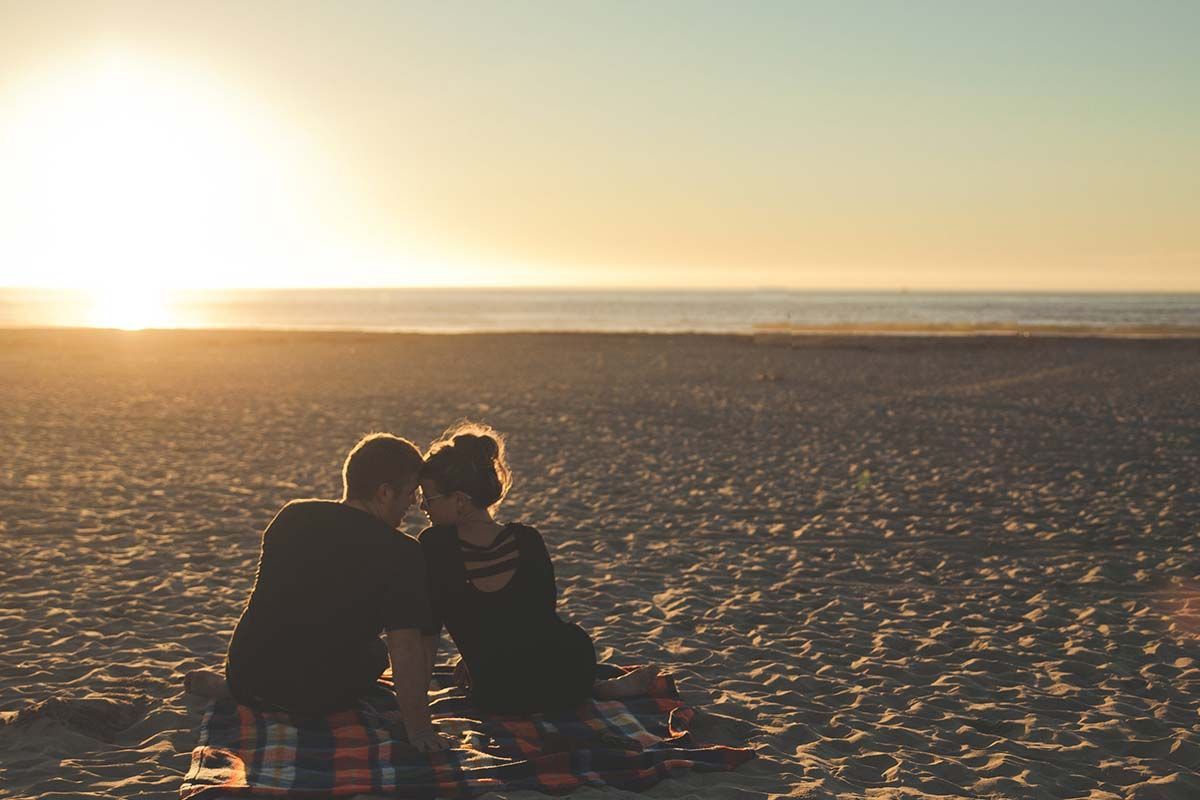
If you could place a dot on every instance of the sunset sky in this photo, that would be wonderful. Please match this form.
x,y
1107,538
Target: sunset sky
x,y
853,145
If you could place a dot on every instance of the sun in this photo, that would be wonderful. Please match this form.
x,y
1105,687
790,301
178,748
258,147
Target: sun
x,y
129,308
129,176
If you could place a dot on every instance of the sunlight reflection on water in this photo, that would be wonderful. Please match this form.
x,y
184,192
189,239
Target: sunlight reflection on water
x,y
462,310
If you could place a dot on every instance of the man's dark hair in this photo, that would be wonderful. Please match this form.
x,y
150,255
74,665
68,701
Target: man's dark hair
x,y
378,458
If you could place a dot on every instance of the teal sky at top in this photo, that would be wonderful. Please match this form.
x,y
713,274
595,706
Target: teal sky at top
x,y
924,145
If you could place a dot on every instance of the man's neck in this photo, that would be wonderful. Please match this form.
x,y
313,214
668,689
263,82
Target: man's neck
x,y
361,505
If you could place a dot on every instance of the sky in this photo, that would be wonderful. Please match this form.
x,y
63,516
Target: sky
x,y
1014,146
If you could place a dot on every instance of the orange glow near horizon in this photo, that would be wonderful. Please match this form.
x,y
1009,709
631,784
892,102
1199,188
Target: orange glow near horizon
x,y
130,309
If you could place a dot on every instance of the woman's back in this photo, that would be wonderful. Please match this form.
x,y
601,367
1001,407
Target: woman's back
x,y
500,592
497,601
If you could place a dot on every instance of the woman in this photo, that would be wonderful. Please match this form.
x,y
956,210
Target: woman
x,y
492,587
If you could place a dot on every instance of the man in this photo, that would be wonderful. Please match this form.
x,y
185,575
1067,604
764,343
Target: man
x,y
331,577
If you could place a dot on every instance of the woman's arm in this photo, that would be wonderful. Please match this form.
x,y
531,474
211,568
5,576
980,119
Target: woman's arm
x,y
537,558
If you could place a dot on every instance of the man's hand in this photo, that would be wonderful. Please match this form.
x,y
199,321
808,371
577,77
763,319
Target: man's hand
x,y
429,741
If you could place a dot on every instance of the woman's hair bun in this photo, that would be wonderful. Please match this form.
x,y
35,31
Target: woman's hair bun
x,y
470,458
479,447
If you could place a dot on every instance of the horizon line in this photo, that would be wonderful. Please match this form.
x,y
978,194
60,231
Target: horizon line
x,y
593,288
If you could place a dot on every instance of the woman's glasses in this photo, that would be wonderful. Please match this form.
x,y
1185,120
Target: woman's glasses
x,y
426,499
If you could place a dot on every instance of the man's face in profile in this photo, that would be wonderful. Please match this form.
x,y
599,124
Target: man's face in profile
x,y
401,498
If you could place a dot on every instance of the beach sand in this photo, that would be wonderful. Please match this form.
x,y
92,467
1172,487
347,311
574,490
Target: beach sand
x,y
899,567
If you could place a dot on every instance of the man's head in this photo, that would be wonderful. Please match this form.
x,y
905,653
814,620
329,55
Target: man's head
x,y
380,474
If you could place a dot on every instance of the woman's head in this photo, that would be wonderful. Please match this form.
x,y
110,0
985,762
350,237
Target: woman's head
x,y
464,470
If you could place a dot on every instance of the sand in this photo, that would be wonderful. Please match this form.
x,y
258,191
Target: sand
x,y
900,567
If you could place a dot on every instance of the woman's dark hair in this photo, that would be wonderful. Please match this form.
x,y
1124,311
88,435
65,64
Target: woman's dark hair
x,y
469,458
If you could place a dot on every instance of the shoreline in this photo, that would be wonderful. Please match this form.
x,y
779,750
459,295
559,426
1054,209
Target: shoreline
x,y
756,333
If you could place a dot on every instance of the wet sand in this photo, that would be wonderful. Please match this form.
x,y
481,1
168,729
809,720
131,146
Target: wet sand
x,y
899,566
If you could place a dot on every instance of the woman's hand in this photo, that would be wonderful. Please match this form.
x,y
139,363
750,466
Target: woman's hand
x,y
462,676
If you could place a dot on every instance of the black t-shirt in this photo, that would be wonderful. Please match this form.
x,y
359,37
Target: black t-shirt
x,y
331,578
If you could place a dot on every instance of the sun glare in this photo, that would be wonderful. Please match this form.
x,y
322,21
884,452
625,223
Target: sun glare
x,y
129,177
129,309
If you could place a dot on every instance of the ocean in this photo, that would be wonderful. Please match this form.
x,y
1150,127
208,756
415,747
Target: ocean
x,y
495,310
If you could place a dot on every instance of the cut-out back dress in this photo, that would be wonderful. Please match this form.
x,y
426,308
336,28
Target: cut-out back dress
x,y
522,656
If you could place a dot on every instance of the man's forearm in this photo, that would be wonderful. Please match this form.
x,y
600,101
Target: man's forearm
x,y
411,679
430,645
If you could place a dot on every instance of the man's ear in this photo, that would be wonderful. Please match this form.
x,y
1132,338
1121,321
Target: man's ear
x,y
384,493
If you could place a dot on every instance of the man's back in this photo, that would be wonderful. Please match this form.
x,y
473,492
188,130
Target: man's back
x,y
331,578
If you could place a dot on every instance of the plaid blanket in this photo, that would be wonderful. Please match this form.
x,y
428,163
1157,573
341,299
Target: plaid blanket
x,y
631,744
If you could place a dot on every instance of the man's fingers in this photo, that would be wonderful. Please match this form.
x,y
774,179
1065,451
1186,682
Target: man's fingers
x,y
432,747
430,743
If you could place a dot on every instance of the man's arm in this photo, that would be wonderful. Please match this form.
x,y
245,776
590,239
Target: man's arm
x,y
430,645
411,679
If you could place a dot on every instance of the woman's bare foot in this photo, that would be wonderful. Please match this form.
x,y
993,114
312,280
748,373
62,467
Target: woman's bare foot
x,y
206,683
631,684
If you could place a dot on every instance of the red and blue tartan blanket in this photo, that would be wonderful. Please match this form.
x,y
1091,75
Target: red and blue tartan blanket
x,y
629,744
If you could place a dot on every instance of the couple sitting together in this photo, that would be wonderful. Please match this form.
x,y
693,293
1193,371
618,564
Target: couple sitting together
x,y
335,575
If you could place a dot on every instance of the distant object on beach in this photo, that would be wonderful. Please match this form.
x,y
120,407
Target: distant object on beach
x,y
981,329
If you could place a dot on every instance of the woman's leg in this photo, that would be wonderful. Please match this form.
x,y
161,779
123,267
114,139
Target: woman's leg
x,y
555,673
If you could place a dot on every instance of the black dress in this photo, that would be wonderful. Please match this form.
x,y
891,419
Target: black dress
x,y
522,657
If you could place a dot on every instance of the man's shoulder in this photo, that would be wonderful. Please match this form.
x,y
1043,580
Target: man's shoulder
x,y
310,505
301,511
315,515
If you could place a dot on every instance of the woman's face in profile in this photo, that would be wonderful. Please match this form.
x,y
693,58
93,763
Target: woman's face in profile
x,y
441,508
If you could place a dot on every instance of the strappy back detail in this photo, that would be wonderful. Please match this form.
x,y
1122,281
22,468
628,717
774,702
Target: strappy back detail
x,y
486,561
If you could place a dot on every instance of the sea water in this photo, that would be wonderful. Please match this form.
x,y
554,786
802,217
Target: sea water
x,y
664,311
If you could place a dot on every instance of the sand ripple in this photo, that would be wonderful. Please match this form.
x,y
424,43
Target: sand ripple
x,y
901,568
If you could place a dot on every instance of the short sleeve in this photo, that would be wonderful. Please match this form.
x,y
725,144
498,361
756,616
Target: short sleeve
x,y
432,568
406,603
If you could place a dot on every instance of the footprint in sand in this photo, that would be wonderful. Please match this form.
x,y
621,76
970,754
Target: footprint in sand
x,y
96,716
